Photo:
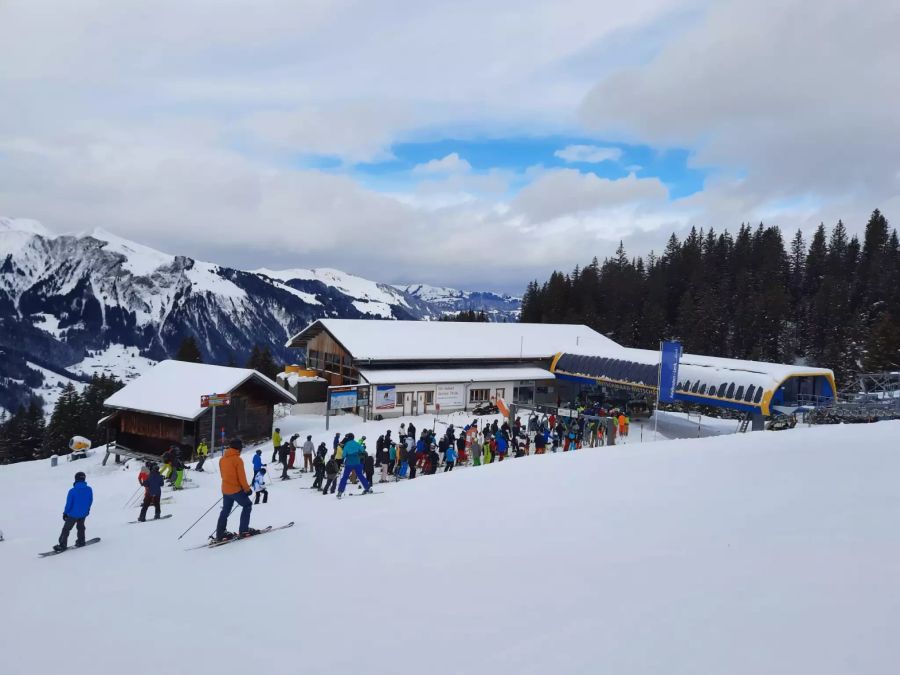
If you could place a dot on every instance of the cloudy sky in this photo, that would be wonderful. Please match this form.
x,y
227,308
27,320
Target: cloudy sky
x,y
474,144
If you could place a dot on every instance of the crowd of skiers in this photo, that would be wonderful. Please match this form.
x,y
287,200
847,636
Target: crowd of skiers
x,y
412,451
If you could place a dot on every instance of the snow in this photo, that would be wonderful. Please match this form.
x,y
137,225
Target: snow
x,y
49,324
418,340
758,553
374,308
348,284
141,260
428,375
25,225
206,278
293,379
174,388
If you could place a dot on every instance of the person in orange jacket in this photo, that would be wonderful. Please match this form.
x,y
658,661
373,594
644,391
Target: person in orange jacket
x,y
235,490
621,424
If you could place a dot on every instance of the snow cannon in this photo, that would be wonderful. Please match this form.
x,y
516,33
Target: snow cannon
x,y
79,444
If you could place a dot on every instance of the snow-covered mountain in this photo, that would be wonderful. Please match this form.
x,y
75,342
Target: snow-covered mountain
x,y
68,298
451,300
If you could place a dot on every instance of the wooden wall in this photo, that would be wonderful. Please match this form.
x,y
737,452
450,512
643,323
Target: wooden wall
x,y
337,371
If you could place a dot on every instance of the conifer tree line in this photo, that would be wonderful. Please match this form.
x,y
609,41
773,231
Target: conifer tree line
x,y
832,302
25,435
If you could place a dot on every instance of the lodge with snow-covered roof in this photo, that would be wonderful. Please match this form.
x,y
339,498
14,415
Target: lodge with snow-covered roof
x,y
162,407
415,366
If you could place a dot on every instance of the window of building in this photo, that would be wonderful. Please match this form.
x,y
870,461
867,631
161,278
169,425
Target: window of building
x,y
429,397
501,393
479,395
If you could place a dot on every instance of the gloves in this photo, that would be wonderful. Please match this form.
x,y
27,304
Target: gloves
x,y
65,516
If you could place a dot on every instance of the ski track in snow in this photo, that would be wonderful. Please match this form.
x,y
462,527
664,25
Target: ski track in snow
x,y
744,554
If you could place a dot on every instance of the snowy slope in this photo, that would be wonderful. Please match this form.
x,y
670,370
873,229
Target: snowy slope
x,y
499,307
765,553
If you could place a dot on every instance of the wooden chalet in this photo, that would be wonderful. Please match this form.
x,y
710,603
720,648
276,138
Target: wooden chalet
x,y
163,407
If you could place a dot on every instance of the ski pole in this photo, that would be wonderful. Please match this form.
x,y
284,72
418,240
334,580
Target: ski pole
x,y
200,518
131,498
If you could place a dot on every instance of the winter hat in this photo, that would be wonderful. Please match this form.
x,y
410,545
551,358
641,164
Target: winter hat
x,y
259,452
309,438
236,443
80,477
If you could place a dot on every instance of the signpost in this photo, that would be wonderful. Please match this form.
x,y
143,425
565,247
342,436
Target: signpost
x,y
667,378
344,397
214,401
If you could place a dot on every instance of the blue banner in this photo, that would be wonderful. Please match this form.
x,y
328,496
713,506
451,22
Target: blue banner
x,y
342,399
669,356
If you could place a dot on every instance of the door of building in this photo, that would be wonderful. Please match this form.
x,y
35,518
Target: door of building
x,y
407,402
421,407
500,393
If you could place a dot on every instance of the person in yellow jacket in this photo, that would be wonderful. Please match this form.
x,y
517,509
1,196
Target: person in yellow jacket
x,y
235,490
202,454
339,455
276,444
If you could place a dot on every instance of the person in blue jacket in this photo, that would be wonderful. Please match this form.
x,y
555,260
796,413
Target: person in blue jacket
x,y
353,462
78,507
257,462
449,458
502,447
152,492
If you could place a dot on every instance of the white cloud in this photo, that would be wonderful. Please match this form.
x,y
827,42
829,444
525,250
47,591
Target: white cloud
x,y
563,192
447,165
589,154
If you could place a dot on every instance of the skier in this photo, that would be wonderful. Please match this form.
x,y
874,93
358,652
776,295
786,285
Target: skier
x,y
353,464
259,486
411,431
502,447
450,456
152,492
460,448
477,449
234,491
381,458
202,453
433,460
331,472
322,450
77,508
144,472
369,466
622,425
540,443
308,448
276,443
335,442
257,463
166,469
178,468
293,450
283,453
319,468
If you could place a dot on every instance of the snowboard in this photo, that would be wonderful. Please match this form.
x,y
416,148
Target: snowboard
x,y
87,543
363,494
265,530
132,522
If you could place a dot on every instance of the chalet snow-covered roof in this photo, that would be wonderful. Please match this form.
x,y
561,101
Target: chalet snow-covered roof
x,y
174,388
439,375
444,340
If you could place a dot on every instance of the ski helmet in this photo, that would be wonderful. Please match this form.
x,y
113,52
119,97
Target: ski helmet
x,y
80,477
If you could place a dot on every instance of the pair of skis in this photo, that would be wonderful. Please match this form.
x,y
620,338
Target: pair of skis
x,y
216,544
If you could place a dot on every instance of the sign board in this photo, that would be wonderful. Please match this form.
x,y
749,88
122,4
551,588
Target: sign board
x,y
214,400
341,399
385,397
670,355
449,395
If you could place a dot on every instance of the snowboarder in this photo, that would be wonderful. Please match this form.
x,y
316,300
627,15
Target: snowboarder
x,y
308,455
77,508
322,450
235,490
152,492
276,443
331,472
353,463
259,486
177,467
202,453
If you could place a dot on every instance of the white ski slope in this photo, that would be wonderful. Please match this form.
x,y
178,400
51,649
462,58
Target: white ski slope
x,y
761,553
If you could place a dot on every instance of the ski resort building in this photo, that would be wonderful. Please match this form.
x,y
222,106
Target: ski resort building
x,y
417,367
413,367
163,407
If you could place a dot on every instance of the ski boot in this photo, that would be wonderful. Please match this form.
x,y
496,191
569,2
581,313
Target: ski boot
x,y
228,536
340,495
59,548
249,533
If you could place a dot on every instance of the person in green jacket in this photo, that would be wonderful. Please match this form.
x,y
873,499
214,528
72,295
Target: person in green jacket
x,y
202,453
276,443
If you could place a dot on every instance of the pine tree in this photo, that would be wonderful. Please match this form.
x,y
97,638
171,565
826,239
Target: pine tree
x,y
189,351
65,422
883,345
